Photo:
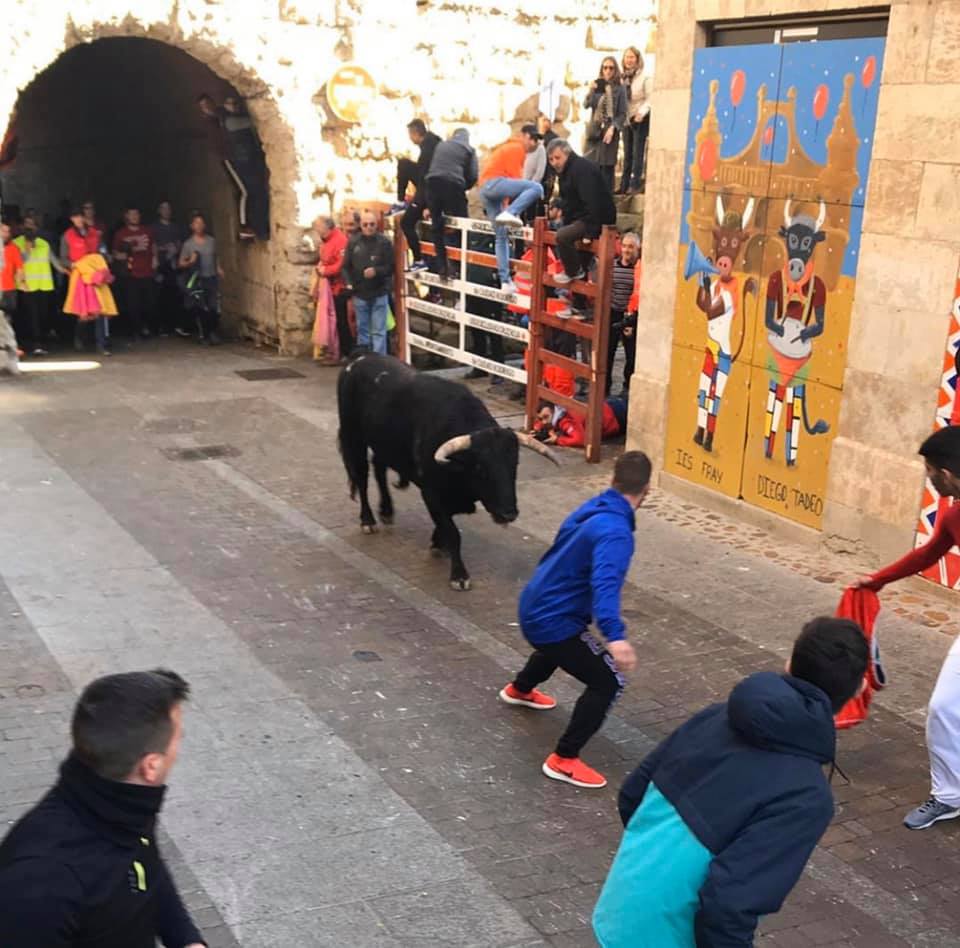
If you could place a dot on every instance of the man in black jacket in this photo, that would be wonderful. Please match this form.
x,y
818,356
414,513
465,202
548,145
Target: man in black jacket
x,y
368,265
452,173
82,868
415,173
587,205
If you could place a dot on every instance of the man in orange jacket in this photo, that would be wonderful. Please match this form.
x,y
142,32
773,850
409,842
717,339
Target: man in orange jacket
x,y
502,179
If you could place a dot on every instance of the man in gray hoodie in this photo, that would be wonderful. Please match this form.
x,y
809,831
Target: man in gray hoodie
x,y
453,172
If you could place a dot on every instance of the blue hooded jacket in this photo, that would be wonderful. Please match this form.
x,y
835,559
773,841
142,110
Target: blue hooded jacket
x,y
720,820
580,577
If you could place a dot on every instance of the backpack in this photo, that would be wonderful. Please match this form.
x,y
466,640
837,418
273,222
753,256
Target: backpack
x,y
862,606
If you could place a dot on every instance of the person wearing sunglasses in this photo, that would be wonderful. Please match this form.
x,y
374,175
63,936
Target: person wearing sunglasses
x,y
607,100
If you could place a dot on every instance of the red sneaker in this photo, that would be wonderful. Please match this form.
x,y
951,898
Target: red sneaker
x,y
532,699
573,770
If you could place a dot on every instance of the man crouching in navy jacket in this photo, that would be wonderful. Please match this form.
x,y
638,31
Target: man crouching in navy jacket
x,y
82,868
721,818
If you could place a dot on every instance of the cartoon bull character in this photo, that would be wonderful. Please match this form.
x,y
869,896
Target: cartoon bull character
x,y
720,303
796,305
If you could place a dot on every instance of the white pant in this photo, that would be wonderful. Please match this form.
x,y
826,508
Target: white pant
x,y
943,730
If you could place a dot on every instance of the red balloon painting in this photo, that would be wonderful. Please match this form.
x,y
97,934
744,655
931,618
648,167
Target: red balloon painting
x,y
738,85
869,72
707,160
821,99
768,135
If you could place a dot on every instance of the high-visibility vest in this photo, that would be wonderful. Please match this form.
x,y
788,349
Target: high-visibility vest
x,y
36,264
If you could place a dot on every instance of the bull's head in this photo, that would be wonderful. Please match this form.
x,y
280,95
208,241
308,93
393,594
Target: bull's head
x,y
729,236
488,459
801,233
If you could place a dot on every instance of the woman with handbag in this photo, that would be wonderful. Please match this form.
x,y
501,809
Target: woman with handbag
x,y
607,100
637,87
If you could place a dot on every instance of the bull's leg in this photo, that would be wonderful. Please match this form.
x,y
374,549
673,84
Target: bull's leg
x,y
358,470
386,501
436,543
448,535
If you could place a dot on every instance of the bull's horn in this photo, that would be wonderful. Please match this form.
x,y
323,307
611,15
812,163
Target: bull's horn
x,y
747,215
787,220
459,443
720,211
524,440
821,218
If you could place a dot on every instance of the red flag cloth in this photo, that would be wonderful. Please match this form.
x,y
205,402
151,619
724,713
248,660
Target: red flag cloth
x,y
862,606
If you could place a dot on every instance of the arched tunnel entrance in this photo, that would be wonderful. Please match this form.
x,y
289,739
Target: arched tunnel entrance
x,y
116,121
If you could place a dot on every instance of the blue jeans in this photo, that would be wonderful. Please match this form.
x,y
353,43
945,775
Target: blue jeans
x,y
372,323
522,194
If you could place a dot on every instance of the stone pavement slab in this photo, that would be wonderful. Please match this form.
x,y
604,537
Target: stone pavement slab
x,y
348,776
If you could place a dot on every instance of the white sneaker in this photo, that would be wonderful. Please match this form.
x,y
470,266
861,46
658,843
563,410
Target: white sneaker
x,y
563,278
505,217
509,287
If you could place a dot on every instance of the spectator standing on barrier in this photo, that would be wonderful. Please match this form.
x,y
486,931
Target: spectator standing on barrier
x,y
623,322
501,179
136,249
369,269
580,580
332,248
587,205
247,166
84,867
453,172
415,174
637,87
607,100
534,167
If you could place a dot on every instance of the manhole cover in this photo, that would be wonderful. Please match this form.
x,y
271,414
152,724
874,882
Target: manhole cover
x,y
208,452
170,425
362,656
262,375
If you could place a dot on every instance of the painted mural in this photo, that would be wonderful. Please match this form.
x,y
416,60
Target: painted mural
x,y
778,153
947,571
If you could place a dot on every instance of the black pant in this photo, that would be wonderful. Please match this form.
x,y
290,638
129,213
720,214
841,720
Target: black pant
x,y
205,308
585,658
139,296
445,197
634,152
253,174
407,174
341,303
170,312
34,317
629,348
411,217
567,239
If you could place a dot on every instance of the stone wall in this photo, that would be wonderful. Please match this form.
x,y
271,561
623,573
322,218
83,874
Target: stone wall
x,y
908,260
475,64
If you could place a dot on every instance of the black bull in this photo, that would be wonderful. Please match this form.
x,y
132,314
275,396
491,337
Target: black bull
x,y
434,433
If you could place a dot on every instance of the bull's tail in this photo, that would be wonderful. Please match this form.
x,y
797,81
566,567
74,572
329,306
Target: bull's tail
x,y
750,286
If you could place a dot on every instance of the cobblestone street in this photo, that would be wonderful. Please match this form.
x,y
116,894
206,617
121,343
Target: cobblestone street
x,y
347,776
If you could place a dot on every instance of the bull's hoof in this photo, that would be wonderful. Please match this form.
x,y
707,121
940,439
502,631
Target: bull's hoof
x,y
437,552
461,585
368,528
386,519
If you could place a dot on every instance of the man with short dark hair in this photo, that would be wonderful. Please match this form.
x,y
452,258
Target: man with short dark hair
x,y
587,205
721,818
134,246
82,868
941,454
581,578
414,173
452,173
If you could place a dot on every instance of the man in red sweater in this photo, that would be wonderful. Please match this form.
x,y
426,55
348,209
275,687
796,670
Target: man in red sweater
x,y
941,452
332,248
134,247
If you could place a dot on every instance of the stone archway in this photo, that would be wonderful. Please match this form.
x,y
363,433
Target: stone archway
x,y
263,298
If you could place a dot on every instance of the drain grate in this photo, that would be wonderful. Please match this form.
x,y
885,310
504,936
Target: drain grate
x,y
364,656
207,452
262,375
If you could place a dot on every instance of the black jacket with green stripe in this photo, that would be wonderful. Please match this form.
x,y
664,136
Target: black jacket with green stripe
x,y
82,868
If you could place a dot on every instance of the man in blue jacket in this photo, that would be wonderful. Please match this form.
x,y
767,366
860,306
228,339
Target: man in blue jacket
x,y
721,818
578,580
